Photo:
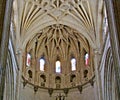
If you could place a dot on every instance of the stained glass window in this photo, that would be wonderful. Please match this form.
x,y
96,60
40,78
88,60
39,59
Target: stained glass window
x,y
58,67
86,59
28,62
73,64
42,64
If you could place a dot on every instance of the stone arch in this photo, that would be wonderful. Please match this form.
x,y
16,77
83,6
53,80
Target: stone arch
x,y
58,81
110,89
30,73
43,80
9,80
72,78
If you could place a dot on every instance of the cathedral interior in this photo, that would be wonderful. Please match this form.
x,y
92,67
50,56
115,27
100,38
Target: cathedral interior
x,y
60,50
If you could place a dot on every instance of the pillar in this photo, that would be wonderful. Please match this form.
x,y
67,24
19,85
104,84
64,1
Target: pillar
x,y
2,12
113,14
97,75
5,14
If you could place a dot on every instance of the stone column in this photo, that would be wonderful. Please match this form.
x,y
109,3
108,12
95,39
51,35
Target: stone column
x,y
97,75
116,6
2,13
113,14
5,13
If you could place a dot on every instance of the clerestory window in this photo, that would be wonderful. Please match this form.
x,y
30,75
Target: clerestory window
x,y
86,59
73,64
28,61
42,64
58,67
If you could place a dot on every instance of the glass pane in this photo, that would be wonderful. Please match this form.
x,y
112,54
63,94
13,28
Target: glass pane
x,y
28,62
73,64
42,63
86,59
58,69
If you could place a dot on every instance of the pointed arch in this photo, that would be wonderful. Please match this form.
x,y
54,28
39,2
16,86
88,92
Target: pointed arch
x,y
109,78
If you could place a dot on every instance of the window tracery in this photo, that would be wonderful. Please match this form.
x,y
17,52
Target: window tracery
x,y
58,81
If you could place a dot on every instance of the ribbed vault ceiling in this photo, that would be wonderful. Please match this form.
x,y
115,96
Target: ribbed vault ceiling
x,y
35,15
59,40
57,30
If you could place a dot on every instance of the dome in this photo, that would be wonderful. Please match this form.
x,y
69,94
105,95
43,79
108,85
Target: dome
x,y
58,57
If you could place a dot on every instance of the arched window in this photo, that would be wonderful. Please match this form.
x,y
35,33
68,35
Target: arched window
x,y
86,59
42,64
28,62
58,67
73,64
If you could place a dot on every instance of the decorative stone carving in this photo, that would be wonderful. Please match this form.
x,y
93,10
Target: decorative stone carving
x,y
91,82
66,90
80,88
35,89
50,91
24,83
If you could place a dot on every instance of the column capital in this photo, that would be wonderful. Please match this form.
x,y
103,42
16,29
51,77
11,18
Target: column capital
x,y
18,51
97,51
